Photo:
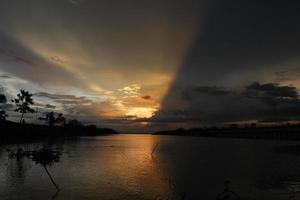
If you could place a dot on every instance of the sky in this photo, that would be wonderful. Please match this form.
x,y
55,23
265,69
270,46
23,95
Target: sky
x,y
139,66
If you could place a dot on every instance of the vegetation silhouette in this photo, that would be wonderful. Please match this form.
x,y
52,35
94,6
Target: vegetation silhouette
x,y
3,114
55,127
60,120
51,120
23,103
75,123
3,98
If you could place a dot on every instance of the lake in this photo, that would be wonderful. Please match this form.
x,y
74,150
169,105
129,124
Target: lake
x,y
123,167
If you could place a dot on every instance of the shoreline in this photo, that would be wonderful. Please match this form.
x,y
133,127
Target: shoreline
x,y
273,133
11,132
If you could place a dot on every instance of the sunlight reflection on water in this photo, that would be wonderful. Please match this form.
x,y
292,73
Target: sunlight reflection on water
x,y
122,167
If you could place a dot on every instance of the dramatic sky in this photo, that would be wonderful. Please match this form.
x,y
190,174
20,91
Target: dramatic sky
x,y
140,65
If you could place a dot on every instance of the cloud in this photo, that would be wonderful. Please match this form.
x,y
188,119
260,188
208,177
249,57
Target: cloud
x,y
89,106
5,77
65,99
217,105
50,106
132,90
139,101
16,58
8,107
24,61
59,60
287,75
272,93
147,97
192,92
62,46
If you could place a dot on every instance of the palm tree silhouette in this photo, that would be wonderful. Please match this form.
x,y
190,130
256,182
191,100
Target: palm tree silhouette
x,y
23,103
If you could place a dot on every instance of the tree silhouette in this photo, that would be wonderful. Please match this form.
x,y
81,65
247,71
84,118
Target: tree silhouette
x,y
23,103
52,121
50,118
2,98
74,123
3,114
60,120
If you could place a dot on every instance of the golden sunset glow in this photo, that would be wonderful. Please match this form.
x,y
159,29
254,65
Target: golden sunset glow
x,y
145,61
141,112
73,59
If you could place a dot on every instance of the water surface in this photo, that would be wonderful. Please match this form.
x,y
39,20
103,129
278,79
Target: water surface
x,y
123,167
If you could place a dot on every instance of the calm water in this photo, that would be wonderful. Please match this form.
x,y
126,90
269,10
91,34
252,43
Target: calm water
x,y
121,167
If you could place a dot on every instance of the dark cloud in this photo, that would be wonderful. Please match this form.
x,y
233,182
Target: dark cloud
x,y
215,105
139,101
24,61
5,77
271,90
272,93
147,97
65,99
172,116
239,43
50,106
56,96
192,92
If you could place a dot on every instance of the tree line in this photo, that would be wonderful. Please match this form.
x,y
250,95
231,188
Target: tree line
x,y
24,103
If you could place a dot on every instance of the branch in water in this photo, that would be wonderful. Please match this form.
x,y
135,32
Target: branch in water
x,y
49,175
154,149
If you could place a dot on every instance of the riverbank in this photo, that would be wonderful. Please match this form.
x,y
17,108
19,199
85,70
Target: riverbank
x,y
291,132
14,132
